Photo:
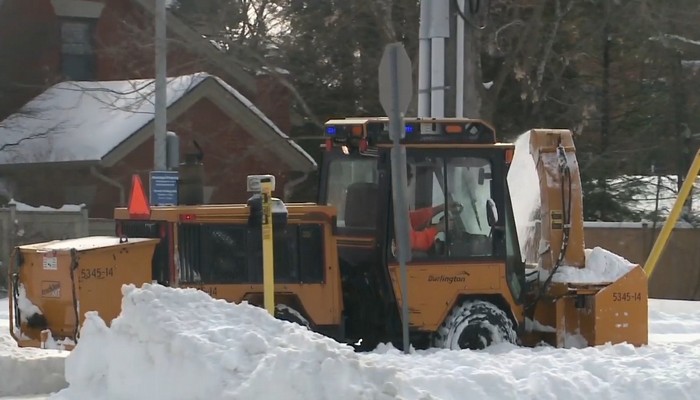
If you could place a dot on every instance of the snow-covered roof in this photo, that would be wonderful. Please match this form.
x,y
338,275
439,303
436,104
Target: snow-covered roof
x,y
86,121
64,208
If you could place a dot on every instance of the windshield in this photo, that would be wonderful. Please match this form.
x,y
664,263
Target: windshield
x,y
352,189
448,201
469,183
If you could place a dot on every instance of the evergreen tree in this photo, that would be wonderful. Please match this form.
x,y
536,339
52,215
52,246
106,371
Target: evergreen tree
x,y
618,73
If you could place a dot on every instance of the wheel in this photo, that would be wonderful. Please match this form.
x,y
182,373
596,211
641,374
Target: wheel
x,y
475,325
286,313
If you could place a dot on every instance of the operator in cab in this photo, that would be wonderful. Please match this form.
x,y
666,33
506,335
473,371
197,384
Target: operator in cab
x,y
422,231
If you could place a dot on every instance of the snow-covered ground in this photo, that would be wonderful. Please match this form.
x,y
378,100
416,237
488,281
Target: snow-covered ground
x,y
27,371
181,344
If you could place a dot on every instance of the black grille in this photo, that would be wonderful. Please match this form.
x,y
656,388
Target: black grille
x,y
220,253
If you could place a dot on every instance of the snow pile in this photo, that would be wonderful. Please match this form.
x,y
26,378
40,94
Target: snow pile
x,y
602,266
181,344
27,371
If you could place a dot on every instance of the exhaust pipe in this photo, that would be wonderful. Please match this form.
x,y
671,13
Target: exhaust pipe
x,y
191,181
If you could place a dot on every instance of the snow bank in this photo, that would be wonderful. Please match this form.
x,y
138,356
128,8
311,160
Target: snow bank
x,y
181,344
27,371
601,266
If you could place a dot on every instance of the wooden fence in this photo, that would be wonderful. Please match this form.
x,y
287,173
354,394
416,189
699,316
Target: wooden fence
x,y
676,276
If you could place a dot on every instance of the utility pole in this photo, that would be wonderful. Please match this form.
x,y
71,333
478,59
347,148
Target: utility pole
x,y
459,60
448,76
159,124
395,89
434,30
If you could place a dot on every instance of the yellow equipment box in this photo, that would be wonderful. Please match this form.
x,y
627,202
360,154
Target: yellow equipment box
x,y
53,285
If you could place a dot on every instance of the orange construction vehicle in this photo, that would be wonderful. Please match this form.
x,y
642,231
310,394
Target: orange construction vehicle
x,y
335,261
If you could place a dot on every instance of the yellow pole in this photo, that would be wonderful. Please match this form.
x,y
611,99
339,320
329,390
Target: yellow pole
x,y
268,254
665,233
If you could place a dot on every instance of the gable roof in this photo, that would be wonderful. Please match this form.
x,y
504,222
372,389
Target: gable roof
x,y
101,122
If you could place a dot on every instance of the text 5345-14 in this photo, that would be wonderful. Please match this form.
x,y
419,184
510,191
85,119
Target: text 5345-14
x,y
96,273
627,296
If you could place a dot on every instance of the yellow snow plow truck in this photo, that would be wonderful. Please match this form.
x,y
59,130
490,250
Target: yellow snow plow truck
x,y
335,264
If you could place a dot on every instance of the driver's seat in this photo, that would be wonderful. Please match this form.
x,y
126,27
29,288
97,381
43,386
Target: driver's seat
x,y
361,205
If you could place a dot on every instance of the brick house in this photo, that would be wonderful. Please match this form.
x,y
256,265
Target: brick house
x,y
76,94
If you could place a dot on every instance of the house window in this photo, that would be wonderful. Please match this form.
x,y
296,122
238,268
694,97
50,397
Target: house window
x,y
77,52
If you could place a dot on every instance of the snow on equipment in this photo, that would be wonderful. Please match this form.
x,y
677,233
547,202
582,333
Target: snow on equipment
x,y
335,265
589,297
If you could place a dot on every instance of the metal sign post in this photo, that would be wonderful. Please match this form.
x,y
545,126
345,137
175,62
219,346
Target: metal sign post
x,y
263,185
395,91
268,253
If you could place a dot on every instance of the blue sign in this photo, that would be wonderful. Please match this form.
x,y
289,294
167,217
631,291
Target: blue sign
x,y
163,188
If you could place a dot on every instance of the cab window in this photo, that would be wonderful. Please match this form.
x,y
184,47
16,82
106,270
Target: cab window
x,y
438,229
352,189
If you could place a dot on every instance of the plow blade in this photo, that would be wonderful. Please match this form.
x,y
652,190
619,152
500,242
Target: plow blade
x,y
580,315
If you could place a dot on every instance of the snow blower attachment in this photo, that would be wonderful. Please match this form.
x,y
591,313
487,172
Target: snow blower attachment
x,y
52,282
583,297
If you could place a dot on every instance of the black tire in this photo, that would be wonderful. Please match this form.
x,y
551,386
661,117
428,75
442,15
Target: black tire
x,y
287,313
475,325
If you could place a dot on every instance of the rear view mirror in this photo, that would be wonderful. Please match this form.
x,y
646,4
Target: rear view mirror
x,y
491,212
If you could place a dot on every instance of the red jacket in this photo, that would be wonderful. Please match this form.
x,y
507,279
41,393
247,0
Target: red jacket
x,y
422,240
